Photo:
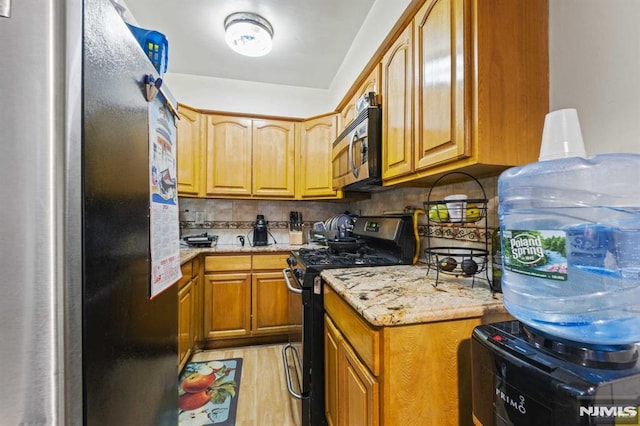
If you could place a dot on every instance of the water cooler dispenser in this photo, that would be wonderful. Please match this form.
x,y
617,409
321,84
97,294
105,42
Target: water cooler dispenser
x,y
523,377
570,240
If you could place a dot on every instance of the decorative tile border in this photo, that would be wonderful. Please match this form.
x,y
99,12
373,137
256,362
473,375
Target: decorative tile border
x,y
455,232
235,225
449,231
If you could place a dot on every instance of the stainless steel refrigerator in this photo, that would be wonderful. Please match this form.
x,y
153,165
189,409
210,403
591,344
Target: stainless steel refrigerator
x,y
80,340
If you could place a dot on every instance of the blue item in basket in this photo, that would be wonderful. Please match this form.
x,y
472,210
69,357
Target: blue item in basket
x,y
155,46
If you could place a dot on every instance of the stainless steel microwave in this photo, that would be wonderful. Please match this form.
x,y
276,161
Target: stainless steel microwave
x,y
356,153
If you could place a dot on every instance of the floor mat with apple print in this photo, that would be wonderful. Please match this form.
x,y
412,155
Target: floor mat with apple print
x,y
208,392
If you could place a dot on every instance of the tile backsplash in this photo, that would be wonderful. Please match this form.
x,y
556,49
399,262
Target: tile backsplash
x,y
444,235
230,218
399,199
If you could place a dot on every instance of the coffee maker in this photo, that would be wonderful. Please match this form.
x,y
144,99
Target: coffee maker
x,y
260,232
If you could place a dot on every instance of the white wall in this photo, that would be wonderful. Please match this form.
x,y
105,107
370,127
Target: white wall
x,y
382,17
219,94
595,67
258,98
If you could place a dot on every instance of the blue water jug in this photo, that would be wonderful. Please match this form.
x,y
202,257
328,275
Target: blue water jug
x,y
570,237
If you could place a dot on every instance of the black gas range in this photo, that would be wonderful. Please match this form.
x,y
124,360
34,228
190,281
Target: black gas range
x,y
374,241
321,258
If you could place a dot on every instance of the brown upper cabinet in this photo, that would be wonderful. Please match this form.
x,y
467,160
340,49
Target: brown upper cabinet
x,y
189,147
226,156
441,72
397,110
273,163
475,96
249,157
314,170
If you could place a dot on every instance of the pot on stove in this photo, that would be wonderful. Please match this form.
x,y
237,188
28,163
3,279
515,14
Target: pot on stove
x,y
346,244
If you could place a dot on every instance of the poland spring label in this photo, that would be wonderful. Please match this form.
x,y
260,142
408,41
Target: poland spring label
x,y
535,253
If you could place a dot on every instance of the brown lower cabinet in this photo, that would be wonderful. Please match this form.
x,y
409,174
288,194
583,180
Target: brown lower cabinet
x,y
400,375
189,312
352,391
234,299
245,297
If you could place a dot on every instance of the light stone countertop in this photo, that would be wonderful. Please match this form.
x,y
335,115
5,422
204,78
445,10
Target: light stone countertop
x,y
188,253
401,295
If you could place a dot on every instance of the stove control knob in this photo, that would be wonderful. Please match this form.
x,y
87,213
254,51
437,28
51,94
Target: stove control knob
x,y
291,261
299,274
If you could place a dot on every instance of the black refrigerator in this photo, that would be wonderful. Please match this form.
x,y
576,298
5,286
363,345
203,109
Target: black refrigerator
x,y
82,341
129,340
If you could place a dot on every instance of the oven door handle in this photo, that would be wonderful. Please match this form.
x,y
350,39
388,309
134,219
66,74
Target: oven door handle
x,y
292,289
287,372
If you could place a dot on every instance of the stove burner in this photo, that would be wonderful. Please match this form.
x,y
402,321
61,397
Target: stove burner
x,y
366,259
617,357
330,258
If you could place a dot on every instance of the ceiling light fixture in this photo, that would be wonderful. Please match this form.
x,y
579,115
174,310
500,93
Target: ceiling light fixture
x,y
248,34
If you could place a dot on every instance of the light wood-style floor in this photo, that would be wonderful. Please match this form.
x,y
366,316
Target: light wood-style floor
x,y
263,398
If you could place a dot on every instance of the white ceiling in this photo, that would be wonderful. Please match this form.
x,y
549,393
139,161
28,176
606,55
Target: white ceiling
x,y
310,41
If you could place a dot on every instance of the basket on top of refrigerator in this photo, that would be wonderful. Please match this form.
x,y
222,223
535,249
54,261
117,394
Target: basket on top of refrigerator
x,y
155,46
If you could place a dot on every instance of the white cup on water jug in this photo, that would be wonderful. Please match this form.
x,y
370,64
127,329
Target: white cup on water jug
x,y
561,135
457,207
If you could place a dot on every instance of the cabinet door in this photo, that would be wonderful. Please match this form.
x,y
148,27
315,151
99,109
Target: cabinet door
x,y
331,374
228,156
273,158
352,395
347,115
370,84
269,274
397,109
227,305
441,74
359,393
188,152
185,325
316,137
198,298
270,303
